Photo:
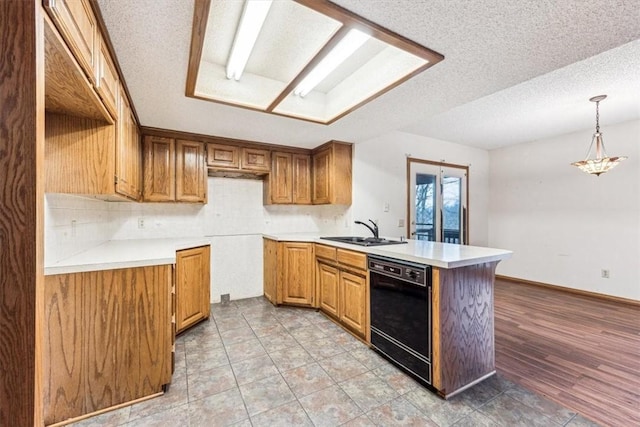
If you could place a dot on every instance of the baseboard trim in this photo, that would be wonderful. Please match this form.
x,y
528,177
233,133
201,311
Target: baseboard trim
x,y
581,292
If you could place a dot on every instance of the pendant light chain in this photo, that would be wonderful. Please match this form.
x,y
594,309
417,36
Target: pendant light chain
x,y
597,116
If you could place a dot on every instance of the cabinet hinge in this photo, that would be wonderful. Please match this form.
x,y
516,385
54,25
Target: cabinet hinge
x,y
115,179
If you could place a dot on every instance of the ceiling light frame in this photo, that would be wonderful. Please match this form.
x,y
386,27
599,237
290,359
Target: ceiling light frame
x,y
348,21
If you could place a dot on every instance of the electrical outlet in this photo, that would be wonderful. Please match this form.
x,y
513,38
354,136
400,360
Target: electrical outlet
x,y
385,207
401,223
225,298
140,222
604,273
73,228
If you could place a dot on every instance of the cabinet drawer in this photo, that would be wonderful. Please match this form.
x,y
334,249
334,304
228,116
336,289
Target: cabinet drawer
x,y
256,160
326,252
353,259
223,156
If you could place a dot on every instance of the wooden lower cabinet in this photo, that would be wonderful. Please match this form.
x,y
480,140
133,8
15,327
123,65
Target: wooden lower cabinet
x,y
328,282
341,278
353,299
192,287
106,339
288,273
296,281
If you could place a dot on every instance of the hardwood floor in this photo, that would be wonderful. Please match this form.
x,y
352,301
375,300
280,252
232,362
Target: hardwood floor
x,y
579,351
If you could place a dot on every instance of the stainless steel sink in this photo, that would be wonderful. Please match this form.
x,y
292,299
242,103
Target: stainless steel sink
x,y
364,241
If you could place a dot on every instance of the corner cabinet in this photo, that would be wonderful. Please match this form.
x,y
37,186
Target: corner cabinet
x,y
192,287
290,179
332,180
174,171
289,273
341,282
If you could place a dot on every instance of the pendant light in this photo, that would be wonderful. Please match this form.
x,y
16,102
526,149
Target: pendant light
x,y
602,162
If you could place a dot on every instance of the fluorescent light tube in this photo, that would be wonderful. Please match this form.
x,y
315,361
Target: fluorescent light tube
x,y
344,49
253,16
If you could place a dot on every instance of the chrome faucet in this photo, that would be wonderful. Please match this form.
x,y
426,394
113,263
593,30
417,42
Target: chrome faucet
x,y
373,229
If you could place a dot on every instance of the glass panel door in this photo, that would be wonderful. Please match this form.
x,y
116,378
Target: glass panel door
x,y
437,205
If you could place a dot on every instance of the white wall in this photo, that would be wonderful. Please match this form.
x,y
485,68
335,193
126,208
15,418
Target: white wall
x,y
563,225
380,175
234,219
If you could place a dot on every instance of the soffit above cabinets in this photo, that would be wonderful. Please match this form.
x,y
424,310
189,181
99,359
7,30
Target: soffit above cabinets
x,y
295,37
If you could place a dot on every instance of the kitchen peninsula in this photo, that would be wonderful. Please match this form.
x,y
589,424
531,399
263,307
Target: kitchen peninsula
x,y
305,270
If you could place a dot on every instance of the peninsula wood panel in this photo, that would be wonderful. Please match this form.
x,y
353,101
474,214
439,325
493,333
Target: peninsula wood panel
x,y
21,212
462,326
192,287
296,278
270,277
190,172
107,339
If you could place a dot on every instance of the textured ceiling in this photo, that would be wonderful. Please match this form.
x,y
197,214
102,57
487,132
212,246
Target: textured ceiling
x,y
514,71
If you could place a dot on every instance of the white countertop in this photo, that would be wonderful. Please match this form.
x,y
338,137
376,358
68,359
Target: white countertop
x,y
125,254
443,255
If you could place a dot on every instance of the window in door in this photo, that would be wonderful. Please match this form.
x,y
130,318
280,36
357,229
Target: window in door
x,y
437,201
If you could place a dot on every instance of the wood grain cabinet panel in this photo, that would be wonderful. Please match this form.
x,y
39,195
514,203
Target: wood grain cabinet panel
x,y
331,183
107,339
107,80
192,287
270,265
353,300
223,156
289,181
190,172
257,160
128,152
159,169
328,282
78,26
296,278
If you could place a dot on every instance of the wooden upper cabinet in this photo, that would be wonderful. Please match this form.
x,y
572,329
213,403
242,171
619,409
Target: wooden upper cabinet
x,y
332,174
190,172
301,179
290,179
296,267
254,159
192,286
128,152
174,171
78,26
159,169
223,156
107,80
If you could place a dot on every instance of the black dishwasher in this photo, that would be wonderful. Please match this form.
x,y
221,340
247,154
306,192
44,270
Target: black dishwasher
x,y
401,313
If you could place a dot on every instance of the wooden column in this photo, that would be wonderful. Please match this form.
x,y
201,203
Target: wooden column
x,y
21,210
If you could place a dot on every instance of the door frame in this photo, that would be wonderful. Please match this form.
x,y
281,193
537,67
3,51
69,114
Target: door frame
x,y
439,164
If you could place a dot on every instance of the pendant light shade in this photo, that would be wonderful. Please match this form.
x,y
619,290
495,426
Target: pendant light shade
x,y
601,163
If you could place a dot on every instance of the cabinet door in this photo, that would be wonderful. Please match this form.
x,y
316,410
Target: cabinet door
x,y
301,179
128,158
327,280
256,160
270,269
134,154
353,302
281,179
77,24
190,172
107,81
192,287
223,156
159,169
296,265
321,177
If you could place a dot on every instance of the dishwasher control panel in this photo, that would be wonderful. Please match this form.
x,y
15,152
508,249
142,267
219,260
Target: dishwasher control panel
x,y
418,274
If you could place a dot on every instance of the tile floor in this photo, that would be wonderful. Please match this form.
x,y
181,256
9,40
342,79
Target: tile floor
x,y
253,364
